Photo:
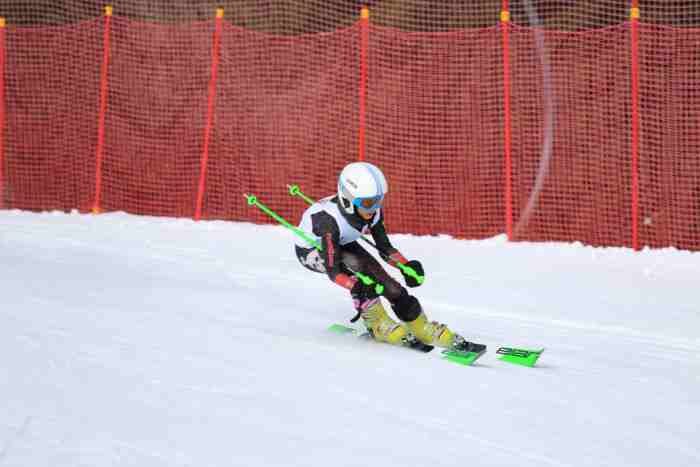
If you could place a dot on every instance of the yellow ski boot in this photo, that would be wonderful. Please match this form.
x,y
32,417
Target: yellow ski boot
x,y
439,335
431,332
383,328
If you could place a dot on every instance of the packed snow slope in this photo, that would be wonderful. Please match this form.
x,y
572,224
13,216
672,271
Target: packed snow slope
x,y
136,341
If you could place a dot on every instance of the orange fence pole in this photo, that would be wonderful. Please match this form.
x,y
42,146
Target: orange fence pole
x,y
364,45
215,55
103,110
2,110
634,43
505,19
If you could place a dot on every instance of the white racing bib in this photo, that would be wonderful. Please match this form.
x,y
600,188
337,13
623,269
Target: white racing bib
x,y
348,233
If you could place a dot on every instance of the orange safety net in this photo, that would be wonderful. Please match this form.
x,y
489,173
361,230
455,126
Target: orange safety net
x,y
561,120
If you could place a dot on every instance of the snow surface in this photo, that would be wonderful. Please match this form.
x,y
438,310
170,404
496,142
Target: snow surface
x,y
137,341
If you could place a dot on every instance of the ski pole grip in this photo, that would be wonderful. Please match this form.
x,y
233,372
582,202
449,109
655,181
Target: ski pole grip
x,y
378,288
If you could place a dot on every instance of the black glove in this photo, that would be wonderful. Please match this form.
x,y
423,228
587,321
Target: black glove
x,y
416,266
363,296
362,292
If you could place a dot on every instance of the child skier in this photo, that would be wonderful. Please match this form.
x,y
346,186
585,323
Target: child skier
x,y
336,223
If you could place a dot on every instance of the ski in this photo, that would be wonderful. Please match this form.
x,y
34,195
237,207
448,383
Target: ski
x,y
516,356
462,358
342,329
523,357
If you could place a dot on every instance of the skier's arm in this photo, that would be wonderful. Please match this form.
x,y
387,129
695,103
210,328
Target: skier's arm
x,y
393,256
326,227
389,254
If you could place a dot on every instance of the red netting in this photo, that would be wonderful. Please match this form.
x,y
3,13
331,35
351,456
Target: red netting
x,y
669,157
156,118
290,115
51,95
432,102
298,93
571,135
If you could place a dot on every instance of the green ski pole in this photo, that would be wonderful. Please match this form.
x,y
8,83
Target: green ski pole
x,y
253,201
294,190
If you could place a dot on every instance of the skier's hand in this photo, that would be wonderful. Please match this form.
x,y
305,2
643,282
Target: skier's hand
x,y
363,292
416,266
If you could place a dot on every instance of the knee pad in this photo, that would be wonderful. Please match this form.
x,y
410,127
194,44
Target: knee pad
x,y
407,308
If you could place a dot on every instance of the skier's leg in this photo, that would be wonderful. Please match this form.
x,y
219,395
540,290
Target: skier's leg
x,y
355,258
406,307
381,326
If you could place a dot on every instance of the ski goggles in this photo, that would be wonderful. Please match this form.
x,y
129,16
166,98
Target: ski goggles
x,y
369,204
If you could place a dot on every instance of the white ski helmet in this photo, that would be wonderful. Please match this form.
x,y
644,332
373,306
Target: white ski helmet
x,y
363,186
